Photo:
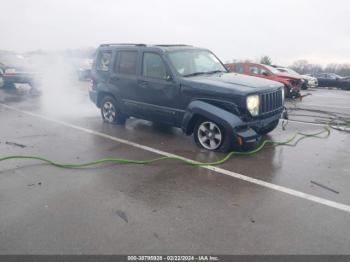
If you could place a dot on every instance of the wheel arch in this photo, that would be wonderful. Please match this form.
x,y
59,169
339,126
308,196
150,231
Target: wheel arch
x,y
101,95
199,109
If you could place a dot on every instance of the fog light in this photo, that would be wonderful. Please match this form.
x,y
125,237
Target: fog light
x,y
240,140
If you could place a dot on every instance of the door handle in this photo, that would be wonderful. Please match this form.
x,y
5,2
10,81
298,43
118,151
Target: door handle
x,y
114,78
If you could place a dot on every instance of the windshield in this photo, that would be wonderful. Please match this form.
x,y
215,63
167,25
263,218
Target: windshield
x,y
334,76
272,69
192,62
288,70
292,71
13,60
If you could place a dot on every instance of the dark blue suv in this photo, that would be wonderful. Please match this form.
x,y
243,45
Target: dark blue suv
x,y
185,87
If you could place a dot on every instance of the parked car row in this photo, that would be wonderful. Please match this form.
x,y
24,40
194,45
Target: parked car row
x,y
84,71
309,81
14,69
291,80
292,83
333,80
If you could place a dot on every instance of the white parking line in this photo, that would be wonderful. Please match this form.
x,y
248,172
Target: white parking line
x,y
252,180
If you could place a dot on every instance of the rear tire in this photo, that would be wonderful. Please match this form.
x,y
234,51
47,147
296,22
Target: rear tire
x,y
211,136
111,112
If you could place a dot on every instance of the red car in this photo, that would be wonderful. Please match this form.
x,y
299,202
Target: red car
x,y
292,83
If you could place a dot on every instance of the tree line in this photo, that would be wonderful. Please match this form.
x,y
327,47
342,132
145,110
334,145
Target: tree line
x,y
303,67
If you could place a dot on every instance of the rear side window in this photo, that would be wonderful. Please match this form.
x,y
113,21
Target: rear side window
x,y
153,66
104,61
127,62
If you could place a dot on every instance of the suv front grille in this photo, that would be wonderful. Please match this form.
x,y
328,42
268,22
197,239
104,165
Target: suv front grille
x,y
270,101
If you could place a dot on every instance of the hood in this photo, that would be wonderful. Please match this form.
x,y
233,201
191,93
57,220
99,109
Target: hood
x,y
287,75
308,77
234,82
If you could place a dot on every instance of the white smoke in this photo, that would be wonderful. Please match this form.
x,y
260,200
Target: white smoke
x,y
61,92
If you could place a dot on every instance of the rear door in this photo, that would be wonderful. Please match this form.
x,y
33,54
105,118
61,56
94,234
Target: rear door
x,y
124,79
322,80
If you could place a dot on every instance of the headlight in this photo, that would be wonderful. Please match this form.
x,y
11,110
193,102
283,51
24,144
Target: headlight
x,y
253,104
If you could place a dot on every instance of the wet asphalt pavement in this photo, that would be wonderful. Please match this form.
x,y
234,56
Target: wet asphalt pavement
x,y
166,207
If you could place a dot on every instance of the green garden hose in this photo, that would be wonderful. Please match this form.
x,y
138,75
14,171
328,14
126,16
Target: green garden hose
x,y
293,141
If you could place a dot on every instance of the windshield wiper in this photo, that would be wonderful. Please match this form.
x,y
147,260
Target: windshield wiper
x,y
202,73
216,71
195,74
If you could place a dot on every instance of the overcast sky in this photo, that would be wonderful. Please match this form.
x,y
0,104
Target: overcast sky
x,y
286,30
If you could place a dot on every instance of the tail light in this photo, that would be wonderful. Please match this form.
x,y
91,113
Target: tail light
x,y
10,71
92,84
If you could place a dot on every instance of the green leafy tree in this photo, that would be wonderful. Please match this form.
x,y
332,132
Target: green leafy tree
x,y
266,60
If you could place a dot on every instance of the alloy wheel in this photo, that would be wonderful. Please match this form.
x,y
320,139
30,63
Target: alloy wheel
x,y
109,112
209,135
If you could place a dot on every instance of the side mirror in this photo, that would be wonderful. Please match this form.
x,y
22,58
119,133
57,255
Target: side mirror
x,y
265,73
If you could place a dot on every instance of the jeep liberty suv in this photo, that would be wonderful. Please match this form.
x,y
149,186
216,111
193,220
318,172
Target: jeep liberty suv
x,y
185,87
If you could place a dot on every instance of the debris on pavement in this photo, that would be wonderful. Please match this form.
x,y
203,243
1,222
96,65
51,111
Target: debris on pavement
x,y
15,144
325,187
122,215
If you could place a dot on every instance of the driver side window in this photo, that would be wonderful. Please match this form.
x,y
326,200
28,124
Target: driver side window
x,y
153,66
254,70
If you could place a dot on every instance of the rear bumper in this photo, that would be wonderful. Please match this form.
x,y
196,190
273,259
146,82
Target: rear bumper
x,y
93,96
18,78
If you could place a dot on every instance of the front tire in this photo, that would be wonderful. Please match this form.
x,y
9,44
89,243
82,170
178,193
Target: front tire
x,y
304,86
286,91
211,136
110,111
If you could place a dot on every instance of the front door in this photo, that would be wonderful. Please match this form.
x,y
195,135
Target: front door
x,y
157,90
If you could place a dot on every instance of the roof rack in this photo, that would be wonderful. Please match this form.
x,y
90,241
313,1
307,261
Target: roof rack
x,y
122,44
172,45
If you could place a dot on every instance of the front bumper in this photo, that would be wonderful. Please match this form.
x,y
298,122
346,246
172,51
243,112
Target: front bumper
x,y
248,132
260,123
